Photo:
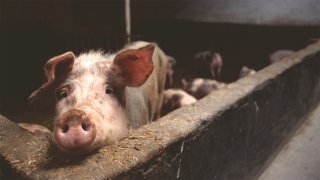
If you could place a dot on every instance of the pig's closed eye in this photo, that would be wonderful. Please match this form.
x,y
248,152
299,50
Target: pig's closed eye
x,y
109,91
60,94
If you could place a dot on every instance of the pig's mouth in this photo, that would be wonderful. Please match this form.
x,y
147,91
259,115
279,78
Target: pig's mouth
x,y
74,132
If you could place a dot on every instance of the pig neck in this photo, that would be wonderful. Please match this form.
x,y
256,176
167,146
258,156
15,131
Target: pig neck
x,y
136,107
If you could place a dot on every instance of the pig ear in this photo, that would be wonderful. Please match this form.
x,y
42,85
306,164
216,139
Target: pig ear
x,y
56,70
59,66
136,65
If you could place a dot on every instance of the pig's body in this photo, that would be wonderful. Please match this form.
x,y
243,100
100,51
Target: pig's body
x,y
279,55
149,96
170,71
174,99
200,87
97,97
208,60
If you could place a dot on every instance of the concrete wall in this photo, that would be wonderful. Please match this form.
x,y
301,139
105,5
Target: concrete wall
x,y
230,134
260,12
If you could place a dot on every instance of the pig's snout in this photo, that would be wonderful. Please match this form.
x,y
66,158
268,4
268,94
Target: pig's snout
x,y
74,132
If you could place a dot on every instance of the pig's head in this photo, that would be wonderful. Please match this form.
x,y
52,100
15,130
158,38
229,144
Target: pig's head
x,y
89,95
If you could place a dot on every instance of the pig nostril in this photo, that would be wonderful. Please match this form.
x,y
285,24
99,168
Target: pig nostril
x,y
65,128
85,126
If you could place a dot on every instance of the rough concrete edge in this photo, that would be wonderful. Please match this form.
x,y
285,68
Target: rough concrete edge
x,y
230,96
234,92
173,127
254,13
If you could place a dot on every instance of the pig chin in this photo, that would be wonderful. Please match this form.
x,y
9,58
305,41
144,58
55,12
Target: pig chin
x,y
81,131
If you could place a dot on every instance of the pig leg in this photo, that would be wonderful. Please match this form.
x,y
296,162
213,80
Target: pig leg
x,y
216,66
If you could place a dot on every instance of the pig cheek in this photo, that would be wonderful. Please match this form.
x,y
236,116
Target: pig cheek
x,y
112,123
61,108
65,104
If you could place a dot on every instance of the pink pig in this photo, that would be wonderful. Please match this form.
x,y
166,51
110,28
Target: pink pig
x,y
279,55
174,99
200,87
97,97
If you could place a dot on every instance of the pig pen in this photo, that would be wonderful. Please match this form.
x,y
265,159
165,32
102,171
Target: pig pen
x,y
230,134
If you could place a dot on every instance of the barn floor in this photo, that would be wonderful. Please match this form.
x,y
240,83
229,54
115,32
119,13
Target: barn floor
x,y
300,158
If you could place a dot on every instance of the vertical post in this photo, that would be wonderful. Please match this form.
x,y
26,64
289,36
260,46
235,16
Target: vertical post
x,y
128,20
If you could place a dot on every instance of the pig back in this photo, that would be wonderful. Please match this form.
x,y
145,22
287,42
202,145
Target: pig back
x,y
143,103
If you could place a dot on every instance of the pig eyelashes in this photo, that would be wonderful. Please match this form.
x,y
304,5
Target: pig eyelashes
x,y
61,93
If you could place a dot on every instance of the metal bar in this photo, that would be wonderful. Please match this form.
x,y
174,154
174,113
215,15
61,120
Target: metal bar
x,y
128,20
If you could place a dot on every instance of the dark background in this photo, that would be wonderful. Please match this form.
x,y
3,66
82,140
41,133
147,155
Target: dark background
x,y
31,32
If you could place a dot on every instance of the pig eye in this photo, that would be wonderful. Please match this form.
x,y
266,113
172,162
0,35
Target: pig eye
x,y
61,94
109,91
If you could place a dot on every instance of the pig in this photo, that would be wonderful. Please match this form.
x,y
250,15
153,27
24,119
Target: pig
x,y
216,65
97,97
209,61
200,87
279,55
174,99
170,71
245,71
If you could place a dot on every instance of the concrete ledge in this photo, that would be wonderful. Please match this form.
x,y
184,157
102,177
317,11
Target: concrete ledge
x,y
230,134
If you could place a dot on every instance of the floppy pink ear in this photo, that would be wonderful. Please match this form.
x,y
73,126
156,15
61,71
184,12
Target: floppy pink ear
x,y
59,66
56,70
135,64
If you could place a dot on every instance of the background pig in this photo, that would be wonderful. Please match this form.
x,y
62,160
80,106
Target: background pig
x,y
174,99
279,55
170,71
245,71
210,62
200,87
216,65
98,96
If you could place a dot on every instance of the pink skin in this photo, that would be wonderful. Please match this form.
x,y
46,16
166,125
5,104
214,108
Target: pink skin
x,y
170,71
216,65
89,95
200,87
174,99
208,60
245,71
279,55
